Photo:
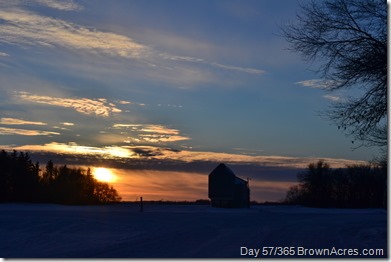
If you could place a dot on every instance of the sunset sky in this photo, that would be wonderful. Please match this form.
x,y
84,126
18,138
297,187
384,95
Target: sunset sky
x,y
163,91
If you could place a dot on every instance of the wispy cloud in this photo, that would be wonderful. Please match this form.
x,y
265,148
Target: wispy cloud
x,y
64,5
332,98
167,154
277,161
25,132
162,138
99,107
67,124
168,56
321,84
317,83
240,69
159,129
135,126
20,27
214,64
280,161
196,156
150,133
15,121
75,149
123,102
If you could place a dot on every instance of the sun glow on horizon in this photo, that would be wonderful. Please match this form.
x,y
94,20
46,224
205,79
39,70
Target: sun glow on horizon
x,y
104,174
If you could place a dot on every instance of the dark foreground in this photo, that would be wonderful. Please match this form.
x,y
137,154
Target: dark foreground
x,y
194,231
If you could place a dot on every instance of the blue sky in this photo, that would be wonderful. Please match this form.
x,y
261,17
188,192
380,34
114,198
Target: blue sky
x,y
167,80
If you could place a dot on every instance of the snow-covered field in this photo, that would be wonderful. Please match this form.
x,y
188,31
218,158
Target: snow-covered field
x,y
188,231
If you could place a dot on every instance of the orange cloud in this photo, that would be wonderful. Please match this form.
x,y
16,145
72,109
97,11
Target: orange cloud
x,y
165,154
15,121
160,130
278,161
74,149
99,107
67,124
151,133
126,125
25,132
162,138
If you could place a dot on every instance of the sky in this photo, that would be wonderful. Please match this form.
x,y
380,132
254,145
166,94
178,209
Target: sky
x,y
163,91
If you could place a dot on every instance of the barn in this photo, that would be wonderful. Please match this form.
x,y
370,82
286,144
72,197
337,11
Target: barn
x,y
226,189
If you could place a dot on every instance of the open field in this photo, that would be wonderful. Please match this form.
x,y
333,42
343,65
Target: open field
x,y
186,231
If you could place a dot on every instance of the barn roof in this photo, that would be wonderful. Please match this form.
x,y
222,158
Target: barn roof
x,y
222,169
239,181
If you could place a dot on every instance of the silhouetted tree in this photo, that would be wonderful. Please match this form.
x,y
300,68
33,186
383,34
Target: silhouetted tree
x,y
341,188
105,193
295,195
5,187
49,175
19,177
349,40
73,186
316,183
20,181
358,186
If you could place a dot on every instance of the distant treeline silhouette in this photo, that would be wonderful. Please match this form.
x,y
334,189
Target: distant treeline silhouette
x,y
22,181
356,186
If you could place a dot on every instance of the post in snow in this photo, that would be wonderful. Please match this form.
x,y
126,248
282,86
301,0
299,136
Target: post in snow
x,y
141,204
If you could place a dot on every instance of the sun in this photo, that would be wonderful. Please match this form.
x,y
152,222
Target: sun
x,y
104,174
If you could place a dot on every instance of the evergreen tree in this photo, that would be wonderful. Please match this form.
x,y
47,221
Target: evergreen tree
x,y
20,181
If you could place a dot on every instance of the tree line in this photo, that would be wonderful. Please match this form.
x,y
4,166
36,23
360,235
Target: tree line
x,y
21,180
356,186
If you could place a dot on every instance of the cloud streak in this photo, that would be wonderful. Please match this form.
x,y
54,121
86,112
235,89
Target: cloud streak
x,y
213,64
99,107
332,98
317,83
150,133
67,124
240,69
162,138
15,121
159,129
25,132
165,154
24,28
75,149
64,5
278,161
20,27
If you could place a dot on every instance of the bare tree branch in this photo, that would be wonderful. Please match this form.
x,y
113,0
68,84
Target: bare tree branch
x,y
349,38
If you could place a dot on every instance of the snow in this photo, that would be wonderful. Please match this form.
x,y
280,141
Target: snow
x,y
181,231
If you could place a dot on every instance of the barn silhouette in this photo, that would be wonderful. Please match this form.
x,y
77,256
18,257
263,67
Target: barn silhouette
x,y
227,190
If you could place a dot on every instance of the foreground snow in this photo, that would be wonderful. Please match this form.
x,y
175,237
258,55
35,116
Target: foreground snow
x,y
169,231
